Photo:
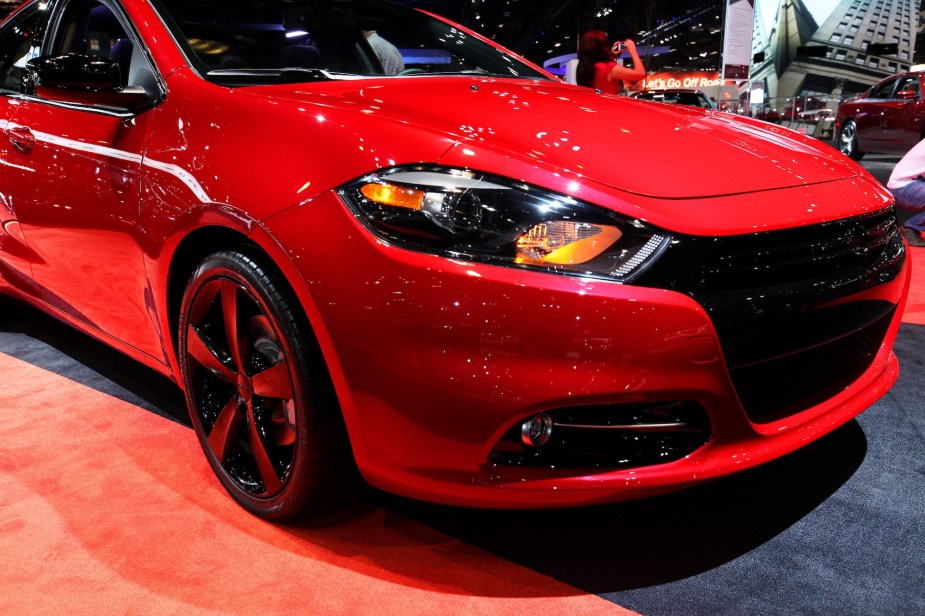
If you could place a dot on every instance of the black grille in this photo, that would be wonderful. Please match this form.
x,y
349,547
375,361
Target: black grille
x,y
772,298
837,251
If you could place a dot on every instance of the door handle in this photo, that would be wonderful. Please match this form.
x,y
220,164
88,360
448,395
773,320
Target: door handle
x,y
22,139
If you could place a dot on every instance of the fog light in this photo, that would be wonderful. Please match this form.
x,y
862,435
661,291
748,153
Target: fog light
x,y
536,431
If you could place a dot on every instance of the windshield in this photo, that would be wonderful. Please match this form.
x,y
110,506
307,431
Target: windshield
x,y
243,43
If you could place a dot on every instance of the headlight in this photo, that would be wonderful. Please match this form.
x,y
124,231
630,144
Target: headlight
x,y
468,215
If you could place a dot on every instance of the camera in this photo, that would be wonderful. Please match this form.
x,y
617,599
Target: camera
x,y
618,47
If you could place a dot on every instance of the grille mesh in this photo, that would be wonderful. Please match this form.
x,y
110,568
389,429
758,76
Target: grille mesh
x,y
772,259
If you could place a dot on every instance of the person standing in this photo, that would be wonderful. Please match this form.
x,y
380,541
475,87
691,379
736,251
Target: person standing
x,y
907,183
597,66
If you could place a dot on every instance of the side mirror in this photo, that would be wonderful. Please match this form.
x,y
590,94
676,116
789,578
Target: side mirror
x,y
907,95
82,80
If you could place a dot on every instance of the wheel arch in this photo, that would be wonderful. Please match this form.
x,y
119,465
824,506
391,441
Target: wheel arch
x,y
191,250
203,241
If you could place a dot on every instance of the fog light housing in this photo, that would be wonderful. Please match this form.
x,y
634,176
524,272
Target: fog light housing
x,y
605,436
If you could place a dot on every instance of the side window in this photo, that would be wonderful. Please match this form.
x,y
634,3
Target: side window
x,y
884,90
89,27
18,45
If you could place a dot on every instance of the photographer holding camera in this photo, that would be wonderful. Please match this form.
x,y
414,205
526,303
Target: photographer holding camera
x,y
597,65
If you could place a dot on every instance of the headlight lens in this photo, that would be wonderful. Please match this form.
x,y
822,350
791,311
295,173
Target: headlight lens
x,y
462,214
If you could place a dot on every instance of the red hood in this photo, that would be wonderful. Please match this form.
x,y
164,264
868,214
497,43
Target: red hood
x,y
635,146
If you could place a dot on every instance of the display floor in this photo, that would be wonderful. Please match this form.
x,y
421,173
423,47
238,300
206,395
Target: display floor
x,y
109,507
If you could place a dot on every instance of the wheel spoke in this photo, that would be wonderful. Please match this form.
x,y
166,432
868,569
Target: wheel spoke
x,y
273,382
267,471
230,316
225,430
202,351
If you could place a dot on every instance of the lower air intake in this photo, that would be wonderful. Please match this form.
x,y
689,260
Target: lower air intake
x,y
776,388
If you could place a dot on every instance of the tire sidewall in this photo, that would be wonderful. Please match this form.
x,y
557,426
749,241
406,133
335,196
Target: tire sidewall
x,y
223,266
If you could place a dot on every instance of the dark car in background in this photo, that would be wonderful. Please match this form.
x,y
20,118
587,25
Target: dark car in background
x,y
889,118
678,96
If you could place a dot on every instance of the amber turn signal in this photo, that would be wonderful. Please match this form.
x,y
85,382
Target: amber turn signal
x,y
396,196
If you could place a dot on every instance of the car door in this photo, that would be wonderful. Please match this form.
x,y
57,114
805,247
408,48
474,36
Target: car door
x,y
75,183
18,44
870,116
902,114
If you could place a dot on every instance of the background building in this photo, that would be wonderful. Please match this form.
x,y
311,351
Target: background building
x,y
830,48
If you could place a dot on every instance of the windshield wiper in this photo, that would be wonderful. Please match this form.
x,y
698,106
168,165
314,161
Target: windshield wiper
x,y
293,74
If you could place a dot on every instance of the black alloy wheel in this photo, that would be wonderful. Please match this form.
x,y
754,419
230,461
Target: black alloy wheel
x,y
258,394
848,141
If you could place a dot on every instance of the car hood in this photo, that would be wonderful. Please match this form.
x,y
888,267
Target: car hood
x,y
644,148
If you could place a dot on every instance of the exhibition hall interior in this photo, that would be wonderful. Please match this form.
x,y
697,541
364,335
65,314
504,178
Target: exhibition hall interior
x,y
462,307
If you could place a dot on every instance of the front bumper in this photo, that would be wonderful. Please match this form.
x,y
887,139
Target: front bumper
x,y
435,360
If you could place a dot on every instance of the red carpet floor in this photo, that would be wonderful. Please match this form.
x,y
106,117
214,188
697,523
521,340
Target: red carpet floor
x,y
109,509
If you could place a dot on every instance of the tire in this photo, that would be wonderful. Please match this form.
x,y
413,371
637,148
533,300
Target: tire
x,y
848,141
262,407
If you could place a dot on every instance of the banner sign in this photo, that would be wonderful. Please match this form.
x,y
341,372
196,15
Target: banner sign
x,y
737,39
696,80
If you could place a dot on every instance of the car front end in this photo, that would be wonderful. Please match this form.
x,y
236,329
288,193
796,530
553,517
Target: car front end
x,y
713,334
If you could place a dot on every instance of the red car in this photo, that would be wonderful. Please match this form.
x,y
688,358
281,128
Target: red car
x,y
887,119
465,281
